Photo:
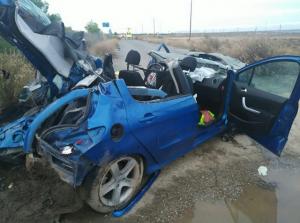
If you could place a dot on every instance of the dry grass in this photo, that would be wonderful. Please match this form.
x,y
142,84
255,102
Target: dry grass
x,y
248,48
103,47
21,72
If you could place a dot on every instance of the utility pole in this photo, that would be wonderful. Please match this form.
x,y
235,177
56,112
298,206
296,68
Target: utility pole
x,y
191,15
154,26
280,28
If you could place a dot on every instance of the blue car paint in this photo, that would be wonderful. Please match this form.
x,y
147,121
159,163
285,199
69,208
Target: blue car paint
x,y
12,135
97,147
6,2
278,136
112,110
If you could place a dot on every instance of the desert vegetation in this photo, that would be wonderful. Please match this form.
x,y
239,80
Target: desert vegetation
x,y
20,72
248,47
100,48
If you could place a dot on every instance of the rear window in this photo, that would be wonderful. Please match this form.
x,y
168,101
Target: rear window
x,y
35,18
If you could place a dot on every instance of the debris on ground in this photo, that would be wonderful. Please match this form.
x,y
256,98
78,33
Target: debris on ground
x,y
263,171
10,186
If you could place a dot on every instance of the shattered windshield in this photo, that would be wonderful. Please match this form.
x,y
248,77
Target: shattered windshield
x,y
33,16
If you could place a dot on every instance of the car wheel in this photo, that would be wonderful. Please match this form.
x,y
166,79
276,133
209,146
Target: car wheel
x,y
115,184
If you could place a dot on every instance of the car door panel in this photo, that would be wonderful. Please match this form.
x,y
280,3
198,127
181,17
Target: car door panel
x,y
268,107
165,127
265,99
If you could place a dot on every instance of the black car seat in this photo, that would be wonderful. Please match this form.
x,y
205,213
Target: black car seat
x,y
189,64
132,77
172,81
183,83
108,68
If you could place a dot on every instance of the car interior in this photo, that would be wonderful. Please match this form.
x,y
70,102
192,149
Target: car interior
x,y
164,81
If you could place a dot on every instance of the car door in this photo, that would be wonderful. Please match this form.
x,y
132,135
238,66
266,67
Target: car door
x,y
265,99
165,127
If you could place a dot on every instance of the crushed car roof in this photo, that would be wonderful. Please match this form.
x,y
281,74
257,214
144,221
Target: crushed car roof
x,y
234,63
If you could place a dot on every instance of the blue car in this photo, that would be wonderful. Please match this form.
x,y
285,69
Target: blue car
x,y
104,133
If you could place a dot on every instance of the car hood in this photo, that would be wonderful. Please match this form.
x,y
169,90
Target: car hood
x,y
48,46
219,58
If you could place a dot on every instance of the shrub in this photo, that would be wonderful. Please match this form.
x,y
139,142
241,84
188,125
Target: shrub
x,y
247,48
103,47
5,46
21,72
253,49
210,45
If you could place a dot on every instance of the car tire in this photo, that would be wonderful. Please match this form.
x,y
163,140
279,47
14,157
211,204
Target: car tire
x,y
112,186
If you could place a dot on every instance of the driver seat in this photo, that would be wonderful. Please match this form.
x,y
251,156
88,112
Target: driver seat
x,y
131,76
173,81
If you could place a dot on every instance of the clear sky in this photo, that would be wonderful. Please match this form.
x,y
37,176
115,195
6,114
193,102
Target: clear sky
x,y
173,15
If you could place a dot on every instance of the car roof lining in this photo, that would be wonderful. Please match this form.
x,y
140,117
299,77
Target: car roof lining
x,y
50,46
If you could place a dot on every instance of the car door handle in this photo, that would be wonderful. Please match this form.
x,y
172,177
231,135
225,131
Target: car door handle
x,y
148,117
247,108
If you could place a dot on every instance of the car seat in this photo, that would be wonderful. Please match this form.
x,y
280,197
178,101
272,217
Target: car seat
x,y
132,77
189,64
172,81
108,68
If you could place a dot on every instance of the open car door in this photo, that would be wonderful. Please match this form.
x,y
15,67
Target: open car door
x,y
265,99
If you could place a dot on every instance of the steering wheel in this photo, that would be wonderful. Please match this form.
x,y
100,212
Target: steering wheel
x,y
157,67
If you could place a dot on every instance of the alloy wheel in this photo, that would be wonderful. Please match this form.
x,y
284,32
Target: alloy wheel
x,y
120,181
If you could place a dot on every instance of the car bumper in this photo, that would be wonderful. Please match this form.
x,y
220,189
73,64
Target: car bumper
x,y
70,171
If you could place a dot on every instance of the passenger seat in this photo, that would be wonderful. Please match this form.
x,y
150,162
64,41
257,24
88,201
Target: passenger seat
x,y
132,77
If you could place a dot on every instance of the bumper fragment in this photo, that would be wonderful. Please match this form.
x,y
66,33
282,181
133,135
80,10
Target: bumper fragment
x,y
69,170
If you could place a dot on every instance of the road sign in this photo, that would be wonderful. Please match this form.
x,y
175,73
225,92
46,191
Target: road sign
x,y
105,24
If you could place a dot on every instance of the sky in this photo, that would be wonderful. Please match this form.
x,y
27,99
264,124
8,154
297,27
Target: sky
x,y
173,15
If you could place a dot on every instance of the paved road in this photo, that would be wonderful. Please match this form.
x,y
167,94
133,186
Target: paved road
x,y
142,47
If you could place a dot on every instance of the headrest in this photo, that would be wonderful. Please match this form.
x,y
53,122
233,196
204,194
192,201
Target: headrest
x,y
188,63
133,57
107,60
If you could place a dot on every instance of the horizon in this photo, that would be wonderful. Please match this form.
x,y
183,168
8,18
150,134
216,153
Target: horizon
x,y
172,16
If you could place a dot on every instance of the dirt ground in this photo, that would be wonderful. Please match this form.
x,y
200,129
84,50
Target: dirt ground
x,y
218,182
